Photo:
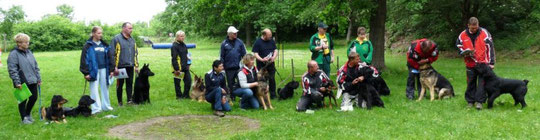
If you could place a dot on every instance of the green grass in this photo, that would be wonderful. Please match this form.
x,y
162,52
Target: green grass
x,y
447,119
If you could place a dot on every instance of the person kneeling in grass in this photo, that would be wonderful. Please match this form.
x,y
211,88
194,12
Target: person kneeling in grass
x,y
312,82
216,89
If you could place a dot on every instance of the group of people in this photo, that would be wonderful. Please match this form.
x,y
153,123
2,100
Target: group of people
x,y
234,74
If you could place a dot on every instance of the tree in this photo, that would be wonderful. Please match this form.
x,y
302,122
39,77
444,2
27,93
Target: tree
x,y
65,10
377,32
12,16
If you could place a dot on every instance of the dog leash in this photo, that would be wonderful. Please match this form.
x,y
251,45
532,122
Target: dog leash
x,y
84,90
39,108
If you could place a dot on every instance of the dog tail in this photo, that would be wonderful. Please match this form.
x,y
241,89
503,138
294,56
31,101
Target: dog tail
x,y
526,81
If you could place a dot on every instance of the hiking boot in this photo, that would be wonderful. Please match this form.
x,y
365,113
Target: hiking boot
x,y
26,120
219,113
479,106
470,105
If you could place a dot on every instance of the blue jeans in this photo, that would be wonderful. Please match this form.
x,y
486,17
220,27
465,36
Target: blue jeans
x,y
214,97
248,100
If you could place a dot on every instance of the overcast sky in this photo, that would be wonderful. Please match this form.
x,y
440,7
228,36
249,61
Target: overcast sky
x,y
108,11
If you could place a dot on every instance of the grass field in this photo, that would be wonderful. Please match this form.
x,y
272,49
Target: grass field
x,y
401,119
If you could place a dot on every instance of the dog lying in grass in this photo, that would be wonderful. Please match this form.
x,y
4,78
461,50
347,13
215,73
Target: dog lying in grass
x,y
288,91
55,112
495,86
83,108
141,92
198,89
436,83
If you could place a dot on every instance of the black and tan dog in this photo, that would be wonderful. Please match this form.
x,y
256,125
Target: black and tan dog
x,y
435,82
198,89
328,93
82,109
55,112
263,92
495,86
141,92
288,91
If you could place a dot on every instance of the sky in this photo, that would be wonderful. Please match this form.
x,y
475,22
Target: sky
x,y
107,11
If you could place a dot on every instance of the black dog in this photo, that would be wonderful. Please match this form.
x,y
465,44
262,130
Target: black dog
x,y
495,86
141,93
55,112
82,109
329,86
287,91
366,91
380,85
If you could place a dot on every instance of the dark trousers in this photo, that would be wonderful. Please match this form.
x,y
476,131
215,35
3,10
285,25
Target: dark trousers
x,y
25,107
187,86
306,101
214,97
231,74
475,87
411,82
129,85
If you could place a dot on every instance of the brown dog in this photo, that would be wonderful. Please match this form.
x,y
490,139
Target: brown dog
x,y
198,89
263,94
435,82
329,94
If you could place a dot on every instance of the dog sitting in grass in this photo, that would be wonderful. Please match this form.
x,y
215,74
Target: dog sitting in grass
x,y
82,109
328,93
141,92
288,91
436,83
55,112
198,89
263,94
495,86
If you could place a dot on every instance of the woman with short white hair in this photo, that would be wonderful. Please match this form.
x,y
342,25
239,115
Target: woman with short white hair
x,y
179,55
23,69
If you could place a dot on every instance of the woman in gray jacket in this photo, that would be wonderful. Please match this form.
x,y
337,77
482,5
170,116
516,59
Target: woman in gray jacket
x,y
23,68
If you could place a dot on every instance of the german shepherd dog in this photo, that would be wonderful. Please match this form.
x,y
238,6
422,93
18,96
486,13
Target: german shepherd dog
x,y
288,91
55,112
495,86
82,109
198,89
141,92
329,93
263,94
435,82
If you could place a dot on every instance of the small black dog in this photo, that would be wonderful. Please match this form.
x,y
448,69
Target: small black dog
x,y
141,93
380,85
366,91
329,86
55,112
495,86
82,109
288,91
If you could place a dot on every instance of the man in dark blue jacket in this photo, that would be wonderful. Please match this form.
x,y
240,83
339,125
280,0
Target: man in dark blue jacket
x,y
231,52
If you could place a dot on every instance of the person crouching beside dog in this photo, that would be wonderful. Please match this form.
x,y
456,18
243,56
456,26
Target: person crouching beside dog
x,y
95,66
216,89
355,78
420,52
312,82
179,60
23,69
247,83
476,46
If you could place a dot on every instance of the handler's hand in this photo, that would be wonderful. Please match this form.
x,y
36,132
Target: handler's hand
x,y
137,70
18,86
87,77
492,66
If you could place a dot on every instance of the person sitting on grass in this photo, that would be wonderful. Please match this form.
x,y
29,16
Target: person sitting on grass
x,y
312,82
216,89
247,83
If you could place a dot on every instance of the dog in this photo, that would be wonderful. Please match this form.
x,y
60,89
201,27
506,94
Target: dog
x,y
380,85
495,86
263,94
328,93
82,109
55,112
141,93
288,91
368,95
198,89
435,82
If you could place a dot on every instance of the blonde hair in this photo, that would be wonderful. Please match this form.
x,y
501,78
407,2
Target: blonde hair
x,y
248,57
180,32
21,37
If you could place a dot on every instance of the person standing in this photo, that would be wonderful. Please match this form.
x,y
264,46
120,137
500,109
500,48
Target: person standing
x,y
180,65
95,66
231,52
23,69
476,46
265,50
362,46
321,46
125,56
420,52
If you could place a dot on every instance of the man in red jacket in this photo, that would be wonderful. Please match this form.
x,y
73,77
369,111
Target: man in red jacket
x,y
420,52
476,46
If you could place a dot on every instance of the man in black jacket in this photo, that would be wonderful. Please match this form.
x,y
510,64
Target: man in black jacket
x,y
312,82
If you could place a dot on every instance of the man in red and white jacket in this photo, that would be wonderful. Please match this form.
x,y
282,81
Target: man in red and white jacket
x,y
476,46
420,52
